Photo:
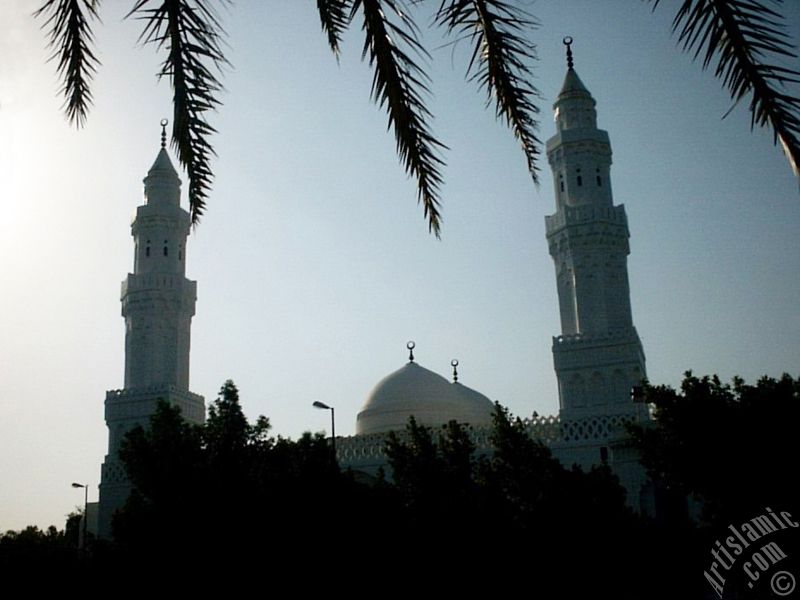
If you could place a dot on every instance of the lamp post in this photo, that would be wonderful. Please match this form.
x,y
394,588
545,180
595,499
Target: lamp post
x,y
323,406
85,487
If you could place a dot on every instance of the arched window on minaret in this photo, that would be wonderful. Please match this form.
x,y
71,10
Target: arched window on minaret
x,y
598,384
580,179
577,389
620,386
147,249
599,179
166,248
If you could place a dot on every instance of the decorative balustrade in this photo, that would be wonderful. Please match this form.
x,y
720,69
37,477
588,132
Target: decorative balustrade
x,y
592,338
157,281
550,430
134,393
139,403
573,215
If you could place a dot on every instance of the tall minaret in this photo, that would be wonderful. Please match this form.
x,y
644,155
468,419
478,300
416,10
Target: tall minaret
x,y
599,356
158,305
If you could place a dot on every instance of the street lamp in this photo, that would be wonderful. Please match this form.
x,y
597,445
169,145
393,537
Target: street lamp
x,y
323,406
85,487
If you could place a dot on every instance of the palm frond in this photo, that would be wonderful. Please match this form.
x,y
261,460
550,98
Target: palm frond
x,y
191,34
745,35
334,15
500,63
398,83
71,36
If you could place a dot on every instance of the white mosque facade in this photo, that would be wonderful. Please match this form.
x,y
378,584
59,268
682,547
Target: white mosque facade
x,y
598,357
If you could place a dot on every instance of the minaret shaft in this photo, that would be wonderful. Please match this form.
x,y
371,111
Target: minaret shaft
x,y
598,356
158,303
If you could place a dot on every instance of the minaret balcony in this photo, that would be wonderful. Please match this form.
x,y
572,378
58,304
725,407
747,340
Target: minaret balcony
x,y
593,351
587,213
158,281
577,340
596,140
138,404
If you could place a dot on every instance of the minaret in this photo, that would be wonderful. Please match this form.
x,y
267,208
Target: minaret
x,y
158,304
598,356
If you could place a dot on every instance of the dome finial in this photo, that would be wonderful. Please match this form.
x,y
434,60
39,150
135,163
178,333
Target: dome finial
x,y
454,364
411,345
568,43
164,123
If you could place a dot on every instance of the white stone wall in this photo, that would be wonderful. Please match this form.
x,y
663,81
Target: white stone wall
x,y
158,309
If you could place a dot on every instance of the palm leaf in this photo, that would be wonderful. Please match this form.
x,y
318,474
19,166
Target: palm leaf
x,y
190,32
744,36
334,15
71,36
500,63
398,84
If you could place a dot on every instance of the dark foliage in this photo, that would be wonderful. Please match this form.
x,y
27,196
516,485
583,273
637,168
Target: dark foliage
x,y
32,551
398,86
71,36
501,62
721,453
516,510
748,38
229,494
229,490
730,446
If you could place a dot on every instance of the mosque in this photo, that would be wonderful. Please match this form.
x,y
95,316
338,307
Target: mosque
x,y
598,356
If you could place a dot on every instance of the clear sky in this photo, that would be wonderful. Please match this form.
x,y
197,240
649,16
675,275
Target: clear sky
x,y
314,265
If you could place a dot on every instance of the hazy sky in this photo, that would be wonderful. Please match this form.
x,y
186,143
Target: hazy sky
x,y
314,265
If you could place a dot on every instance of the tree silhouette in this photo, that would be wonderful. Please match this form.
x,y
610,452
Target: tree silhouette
x,y
728,446
217,487
515,506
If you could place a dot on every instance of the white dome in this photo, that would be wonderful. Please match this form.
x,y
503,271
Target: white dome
x,y
429,397
475,398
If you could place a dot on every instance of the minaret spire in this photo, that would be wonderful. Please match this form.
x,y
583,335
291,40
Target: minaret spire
x,y
568,43
164,123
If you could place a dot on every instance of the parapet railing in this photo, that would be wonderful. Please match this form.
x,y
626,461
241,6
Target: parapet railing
x,y
550,430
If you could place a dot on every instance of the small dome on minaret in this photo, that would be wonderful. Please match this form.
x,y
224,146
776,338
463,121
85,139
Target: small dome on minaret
x,y
573,86
162,165
574,107
162,186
